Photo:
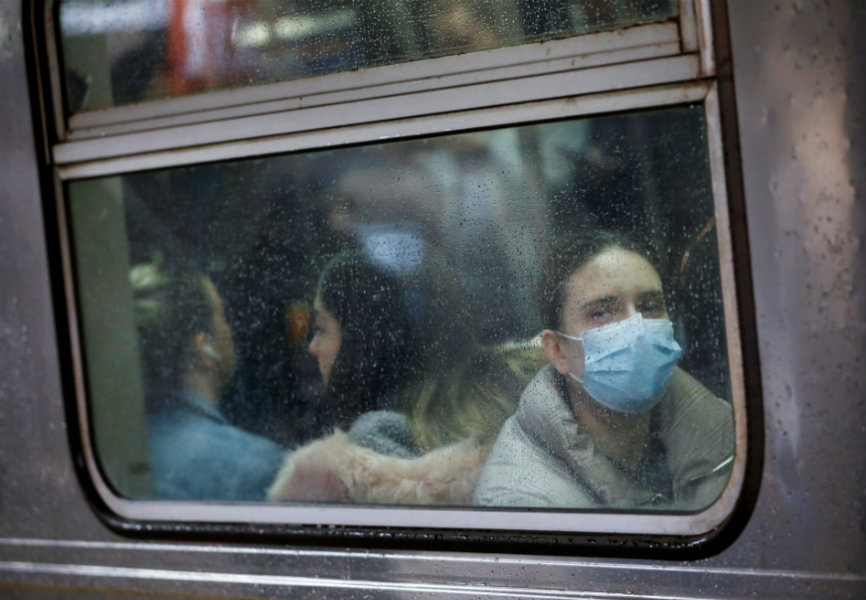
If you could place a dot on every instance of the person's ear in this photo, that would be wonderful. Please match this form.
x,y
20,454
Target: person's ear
x,y
554,351
198,349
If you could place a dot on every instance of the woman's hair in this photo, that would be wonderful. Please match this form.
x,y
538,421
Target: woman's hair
x,y
474,399
564,257
170,307
379,346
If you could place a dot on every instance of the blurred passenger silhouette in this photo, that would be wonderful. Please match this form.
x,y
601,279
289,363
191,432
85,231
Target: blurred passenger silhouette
x,y
188,356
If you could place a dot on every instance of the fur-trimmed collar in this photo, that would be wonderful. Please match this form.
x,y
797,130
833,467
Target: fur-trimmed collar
x,y
335,470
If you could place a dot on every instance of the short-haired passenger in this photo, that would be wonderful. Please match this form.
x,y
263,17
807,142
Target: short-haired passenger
x,y
612,421
188,356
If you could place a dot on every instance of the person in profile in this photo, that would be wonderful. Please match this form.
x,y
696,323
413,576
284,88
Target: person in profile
x,y
417,425
368,353
611,422
187,357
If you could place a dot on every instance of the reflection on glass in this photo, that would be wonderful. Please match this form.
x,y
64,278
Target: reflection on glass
x,y
118,53
370,316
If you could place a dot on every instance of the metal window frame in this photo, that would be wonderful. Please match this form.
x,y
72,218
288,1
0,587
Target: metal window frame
x,y
570,54
469,518
181,140
639,42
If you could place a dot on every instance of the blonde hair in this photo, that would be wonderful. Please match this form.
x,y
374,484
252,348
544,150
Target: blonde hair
x,y
474,399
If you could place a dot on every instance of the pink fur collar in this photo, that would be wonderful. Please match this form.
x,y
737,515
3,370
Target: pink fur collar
x,y
335,470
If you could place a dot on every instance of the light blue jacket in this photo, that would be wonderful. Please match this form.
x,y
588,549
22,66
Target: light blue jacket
x,y
195,454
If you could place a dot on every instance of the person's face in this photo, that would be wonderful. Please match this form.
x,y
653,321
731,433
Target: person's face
x,y
220,336
326,341
613,286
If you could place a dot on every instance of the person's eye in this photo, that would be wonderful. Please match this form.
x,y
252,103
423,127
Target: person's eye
x,y
599,314
653,307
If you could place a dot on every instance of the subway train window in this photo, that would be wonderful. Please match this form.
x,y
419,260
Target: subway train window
x,y
122,53
524,316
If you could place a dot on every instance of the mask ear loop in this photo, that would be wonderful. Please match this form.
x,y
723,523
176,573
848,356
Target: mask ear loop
x,y
573,338
575,377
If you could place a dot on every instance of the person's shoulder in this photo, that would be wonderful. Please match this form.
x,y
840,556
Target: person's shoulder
x,y
521,472
540,395
544,415
195,435
196,454
253,443
247,462
696,426
385,431
687,395
502,481
381,420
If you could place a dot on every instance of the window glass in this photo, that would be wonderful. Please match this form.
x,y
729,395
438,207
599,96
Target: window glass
x,y
535,309
119,53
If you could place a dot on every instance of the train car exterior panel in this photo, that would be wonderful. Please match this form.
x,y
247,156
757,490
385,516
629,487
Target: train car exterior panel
x,y
797,71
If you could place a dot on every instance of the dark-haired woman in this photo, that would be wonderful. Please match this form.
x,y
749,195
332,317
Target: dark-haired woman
x,y
413,436
611,421
367,350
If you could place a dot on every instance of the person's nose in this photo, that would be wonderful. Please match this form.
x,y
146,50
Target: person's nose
x,y
313,346
630,310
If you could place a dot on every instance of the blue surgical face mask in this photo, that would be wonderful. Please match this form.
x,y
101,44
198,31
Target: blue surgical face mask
x,y
627,364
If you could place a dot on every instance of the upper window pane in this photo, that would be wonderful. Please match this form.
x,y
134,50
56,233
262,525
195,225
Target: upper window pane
x,y
120,53
535,309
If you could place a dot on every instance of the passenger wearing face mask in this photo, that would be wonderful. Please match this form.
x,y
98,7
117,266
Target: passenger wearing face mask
x,y
188,357
611,422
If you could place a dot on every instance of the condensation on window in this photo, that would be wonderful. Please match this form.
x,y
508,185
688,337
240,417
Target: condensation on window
x,y
120,53
523,316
